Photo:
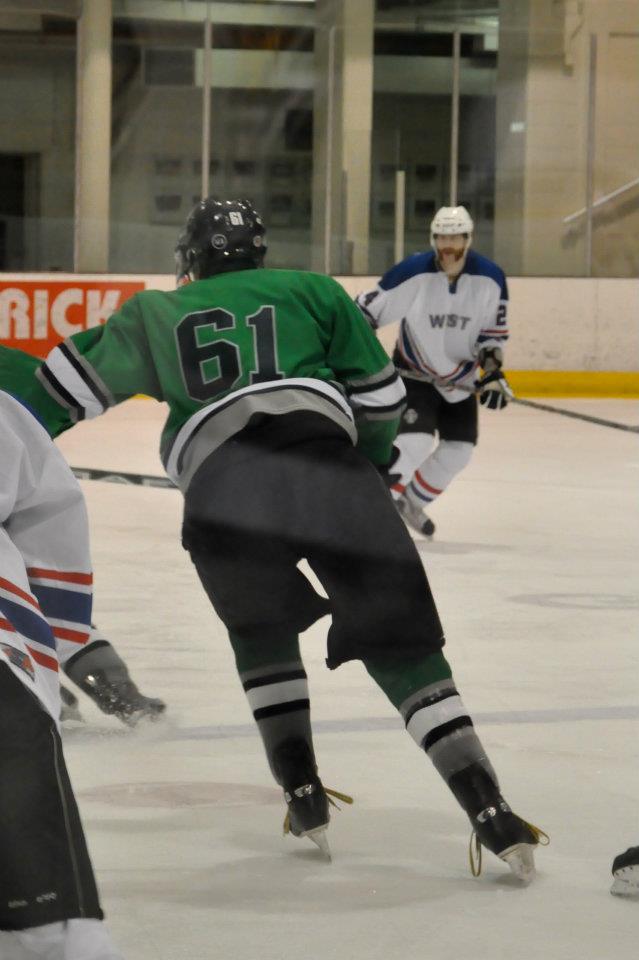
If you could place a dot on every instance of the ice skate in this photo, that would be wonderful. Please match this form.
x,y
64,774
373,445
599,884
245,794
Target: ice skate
x,y
309,812
307,799
100,673
414,517
625,870
69,709
308,816
494,824
507,836
120,698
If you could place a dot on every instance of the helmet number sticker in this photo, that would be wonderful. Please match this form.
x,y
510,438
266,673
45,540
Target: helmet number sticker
x,y
212,364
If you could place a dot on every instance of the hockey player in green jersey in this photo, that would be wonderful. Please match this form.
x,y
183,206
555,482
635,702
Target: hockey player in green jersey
x,y
94,664
282,403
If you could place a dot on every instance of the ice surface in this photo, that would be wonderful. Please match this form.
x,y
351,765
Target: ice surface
x,y
535,570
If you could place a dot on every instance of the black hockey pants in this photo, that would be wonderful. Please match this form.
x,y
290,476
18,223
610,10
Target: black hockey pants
x,y
294,487
45,871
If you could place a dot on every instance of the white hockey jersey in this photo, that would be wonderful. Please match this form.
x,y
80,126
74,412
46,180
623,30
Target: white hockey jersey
x,y
45,568
443,325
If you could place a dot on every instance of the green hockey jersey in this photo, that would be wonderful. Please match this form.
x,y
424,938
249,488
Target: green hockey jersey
x,y
17,377
222,350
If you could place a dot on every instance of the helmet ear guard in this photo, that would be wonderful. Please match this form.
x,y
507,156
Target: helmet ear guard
x,y
220,235
183,260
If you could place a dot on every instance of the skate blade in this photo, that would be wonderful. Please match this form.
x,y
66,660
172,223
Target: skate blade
x,y
626,883
418,532
142,717
71,714
521,861
320,839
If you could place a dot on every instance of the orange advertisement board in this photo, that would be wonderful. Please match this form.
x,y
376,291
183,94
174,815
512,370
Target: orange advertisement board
x,y
36,314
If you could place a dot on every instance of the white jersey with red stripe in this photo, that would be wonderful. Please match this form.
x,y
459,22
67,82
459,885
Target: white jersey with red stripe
x,y
45,567
443,325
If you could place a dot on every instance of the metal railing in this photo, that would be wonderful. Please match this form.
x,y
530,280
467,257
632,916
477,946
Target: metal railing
x,y
603,200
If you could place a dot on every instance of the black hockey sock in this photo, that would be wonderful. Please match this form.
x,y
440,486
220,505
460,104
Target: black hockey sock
x,y
426,696
275,683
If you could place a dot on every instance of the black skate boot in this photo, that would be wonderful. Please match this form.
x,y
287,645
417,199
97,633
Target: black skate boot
x,y
307,799
625,870
103,676
494,824
414,517
120,698
69,709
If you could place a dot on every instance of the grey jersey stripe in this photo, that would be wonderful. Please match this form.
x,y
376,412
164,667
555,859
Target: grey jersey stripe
x,y
51,385
90,375
373,413
386,373
229,420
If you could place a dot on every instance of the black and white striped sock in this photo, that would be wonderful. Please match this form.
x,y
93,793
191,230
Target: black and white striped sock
x,y
439,723
278,696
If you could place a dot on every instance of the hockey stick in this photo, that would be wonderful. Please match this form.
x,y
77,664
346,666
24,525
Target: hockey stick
x,y
129,479
149,480
546,408
600,421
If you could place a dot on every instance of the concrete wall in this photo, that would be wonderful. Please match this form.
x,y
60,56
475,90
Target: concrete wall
x,y
543,99
541,96
37,118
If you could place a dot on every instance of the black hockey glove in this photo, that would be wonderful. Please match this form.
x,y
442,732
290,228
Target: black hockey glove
x,y
386,470
494,390
491,359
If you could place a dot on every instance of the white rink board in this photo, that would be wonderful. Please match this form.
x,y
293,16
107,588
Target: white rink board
x,y
534,569
556,323
559,323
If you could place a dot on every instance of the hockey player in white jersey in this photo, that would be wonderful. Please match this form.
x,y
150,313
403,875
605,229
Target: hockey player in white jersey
x,y
49,905
452,304
88,659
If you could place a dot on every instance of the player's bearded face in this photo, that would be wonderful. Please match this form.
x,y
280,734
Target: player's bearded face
x,y
450,250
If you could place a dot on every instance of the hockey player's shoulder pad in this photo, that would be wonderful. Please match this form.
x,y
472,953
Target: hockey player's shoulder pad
x,y
410,267
480,266
27,406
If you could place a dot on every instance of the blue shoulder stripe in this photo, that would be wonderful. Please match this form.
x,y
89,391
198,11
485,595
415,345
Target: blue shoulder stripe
x,y
28,408
411,267
479,266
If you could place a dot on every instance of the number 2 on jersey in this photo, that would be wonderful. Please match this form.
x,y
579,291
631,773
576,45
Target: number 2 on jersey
x,y
211,364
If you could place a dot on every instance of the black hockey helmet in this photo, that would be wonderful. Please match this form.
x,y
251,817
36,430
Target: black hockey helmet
x,y
220,235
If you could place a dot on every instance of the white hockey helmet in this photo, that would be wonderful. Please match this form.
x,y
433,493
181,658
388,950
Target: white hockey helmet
x,y
449,222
